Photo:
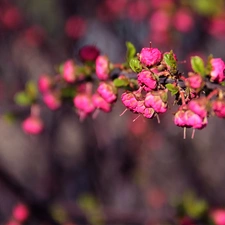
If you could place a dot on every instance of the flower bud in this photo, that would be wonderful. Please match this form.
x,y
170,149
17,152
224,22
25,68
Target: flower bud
x,y
218,216
199,106
20,212
194,120
147,79
180,119
140,108
129,100
217,72
69,71
33,125
156,101
102,67
84,103
100,103
51,100
194,81
44,83
150,56
108,91
149,113
219,108
89,53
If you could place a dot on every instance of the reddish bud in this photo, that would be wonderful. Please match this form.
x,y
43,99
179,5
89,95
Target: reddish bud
x,y
12,18
89,53
108,91
102,67
20,212
150,56
33,125
75,27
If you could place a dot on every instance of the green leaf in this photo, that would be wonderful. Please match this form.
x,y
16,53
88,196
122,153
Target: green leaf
x,y
22,99
121,82
68,92
197,65
170,61
208,68
135,65
131,51
173,89
31,89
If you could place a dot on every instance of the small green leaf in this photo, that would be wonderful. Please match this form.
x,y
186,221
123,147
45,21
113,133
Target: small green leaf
x,y
197,65
208,68
121,82
9,117
22,99
170,61
31,89
68,92
173,89
135,65
131,51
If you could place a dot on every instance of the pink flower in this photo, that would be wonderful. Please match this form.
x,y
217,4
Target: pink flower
x,y
44,83
154,100
150,56
219,108
180,119
75,27
194,120
183,20
51,100
83,102
12,18
108,91
187,118
217,72
20,212
69,71
129,100
194,81
137,10
33,125
147,79
140,108
218,216
199,106
102,67
100,103
164,18
89,53
34,35
149,113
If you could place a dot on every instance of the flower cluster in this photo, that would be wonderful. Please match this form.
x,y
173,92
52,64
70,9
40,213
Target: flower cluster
x,y
93,86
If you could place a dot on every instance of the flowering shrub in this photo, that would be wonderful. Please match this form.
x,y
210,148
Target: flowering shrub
x,y
155,77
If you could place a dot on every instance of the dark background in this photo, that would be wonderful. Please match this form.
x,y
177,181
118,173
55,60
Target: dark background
x,y
108,170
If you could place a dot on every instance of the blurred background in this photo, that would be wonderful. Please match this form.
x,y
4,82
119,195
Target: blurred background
x,y
109,170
